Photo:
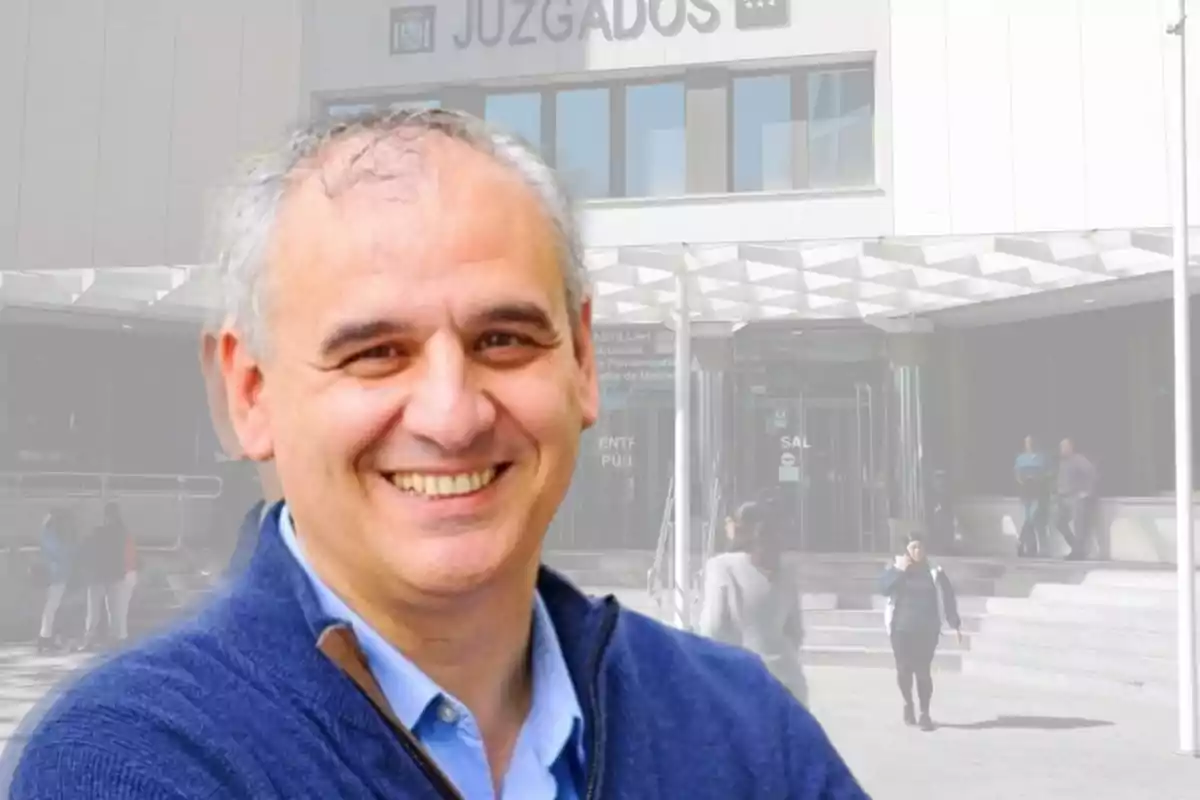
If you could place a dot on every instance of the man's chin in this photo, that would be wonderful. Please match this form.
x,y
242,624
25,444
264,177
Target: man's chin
x,y
455,565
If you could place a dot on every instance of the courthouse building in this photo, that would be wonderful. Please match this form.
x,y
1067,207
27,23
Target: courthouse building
x,y
915,231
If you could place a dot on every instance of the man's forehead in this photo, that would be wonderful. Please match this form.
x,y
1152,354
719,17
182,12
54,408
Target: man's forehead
x,y
395,165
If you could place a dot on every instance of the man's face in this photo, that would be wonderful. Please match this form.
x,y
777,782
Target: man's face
x,y
423,392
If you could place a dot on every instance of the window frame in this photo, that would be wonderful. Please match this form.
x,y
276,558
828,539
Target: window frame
x,y
679,78
617,84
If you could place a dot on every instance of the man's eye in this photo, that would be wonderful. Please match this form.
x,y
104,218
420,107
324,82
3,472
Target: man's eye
x,y
380,352
502,339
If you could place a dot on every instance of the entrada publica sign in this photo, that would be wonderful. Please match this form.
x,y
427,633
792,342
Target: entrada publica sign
x,y
524,22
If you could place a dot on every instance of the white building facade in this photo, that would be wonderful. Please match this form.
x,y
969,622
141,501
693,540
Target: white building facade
x,y
869,174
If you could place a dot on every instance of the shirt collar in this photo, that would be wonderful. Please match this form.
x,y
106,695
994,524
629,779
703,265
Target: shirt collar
x,y
555,720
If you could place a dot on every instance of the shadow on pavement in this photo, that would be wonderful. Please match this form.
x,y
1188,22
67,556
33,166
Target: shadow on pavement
x,y
1029,723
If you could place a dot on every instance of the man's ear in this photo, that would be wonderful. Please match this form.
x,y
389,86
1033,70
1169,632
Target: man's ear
x,y
214,390
588,387
242,377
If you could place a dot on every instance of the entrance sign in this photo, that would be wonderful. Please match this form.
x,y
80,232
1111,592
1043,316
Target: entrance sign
x,y
634,358
789,470
616,452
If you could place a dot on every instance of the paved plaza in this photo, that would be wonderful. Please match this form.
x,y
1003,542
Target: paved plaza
x,y
25,678
999,742
995,741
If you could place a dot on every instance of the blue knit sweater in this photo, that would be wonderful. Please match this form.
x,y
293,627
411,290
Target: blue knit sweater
x,y
240,703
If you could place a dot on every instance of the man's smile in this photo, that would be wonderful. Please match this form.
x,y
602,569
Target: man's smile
x,y
447,484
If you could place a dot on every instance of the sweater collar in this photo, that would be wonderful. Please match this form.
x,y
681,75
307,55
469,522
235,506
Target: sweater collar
x,y
278,612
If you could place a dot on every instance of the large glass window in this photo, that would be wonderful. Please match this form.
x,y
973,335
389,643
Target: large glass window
x,y
655,140
583,148
518,113
762,133
840,127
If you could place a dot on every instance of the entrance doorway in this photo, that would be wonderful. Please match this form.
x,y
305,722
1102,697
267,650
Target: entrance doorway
x,y
813,459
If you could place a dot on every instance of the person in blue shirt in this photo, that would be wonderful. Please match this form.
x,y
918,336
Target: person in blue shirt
x,y
409,343
59,543
1032,474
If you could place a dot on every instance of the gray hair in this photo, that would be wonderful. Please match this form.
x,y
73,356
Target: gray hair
x,y
249,208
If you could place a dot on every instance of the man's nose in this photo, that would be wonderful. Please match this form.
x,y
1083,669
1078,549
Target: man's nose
x,y
448,407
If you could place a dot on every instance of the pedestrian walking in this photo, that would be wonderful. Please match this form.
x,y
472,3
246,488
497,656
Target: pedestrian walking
x,y
752,600
1032,474
919,597
59,540
1077,479
112,575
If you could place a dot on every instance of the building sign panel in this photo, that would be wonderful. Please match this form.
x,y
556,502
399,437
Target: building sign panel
x,y
755,14
634,361
413,29
514,23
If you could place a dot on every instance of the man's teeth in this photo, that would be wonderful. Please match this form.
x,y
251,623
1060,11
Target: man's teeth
x,y
444,485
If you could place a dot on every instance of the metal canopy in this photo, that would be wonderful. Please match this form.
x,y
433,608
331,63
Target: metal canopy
x,y
740,282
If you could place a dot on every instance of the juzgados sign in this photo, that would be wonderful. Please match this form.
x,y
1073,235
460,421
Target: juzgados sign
x,y
491,23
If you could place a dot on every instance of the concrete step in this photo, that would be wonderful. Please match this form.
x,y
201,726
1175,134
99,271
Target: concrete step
x,y
1017,633
945,661
968,605
871,638
871,619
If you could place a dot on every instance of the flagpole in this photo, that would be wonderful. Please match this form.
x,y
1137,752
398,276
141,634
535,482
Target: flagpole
x,y
1184,532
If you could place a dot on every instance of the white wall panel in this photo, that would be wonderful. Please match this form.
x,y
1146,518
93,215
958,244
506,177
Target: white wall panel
x,y
135,133
64,75
979,117
1050,180
205,123
920,118
270,101
1124,108
14,34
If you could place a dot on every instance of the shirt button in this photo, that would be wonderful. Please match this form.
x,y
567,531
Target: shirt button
x,y
447,713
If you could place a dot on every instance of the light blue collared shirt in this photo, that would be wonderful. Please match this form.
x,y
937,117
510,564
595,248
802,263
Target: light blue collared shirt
x,y
548,760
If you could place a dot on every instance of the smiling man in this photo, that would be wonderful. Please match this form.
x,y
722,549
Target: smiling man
x,y
409,342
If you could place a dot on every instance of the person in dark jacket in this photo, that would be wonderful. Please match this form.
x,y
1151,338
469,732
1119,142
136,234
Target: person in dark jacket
x,y
111,570
920,596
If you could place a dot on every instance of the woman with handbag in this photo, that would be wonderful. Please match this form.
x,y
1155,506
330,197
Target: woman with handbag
x,y
752,600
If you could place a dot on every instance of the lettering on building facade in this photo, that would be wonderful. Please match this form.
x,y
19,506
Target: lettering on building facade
x,y
525,22
515,23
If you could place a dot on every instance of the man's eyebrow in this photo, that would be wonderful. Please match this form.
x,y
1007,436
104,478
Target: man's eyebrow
x,y
529,314
352,333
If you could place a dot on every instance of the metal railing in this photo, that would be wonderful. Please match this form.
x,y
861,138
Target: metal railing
x,y
713,526
40,490
660,578
655,576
